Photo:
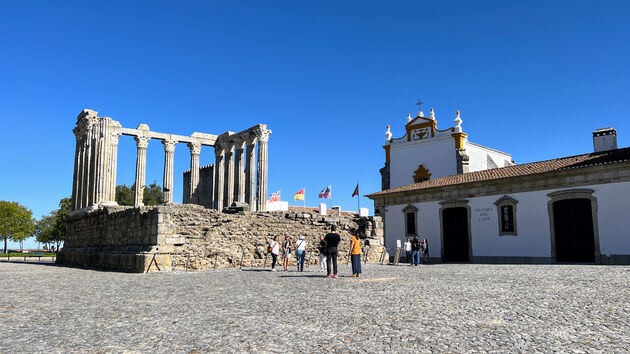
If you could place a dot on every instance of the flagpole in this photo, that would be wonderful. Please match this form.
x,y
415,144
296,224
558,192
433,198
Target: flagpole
x,y
358,200
304,200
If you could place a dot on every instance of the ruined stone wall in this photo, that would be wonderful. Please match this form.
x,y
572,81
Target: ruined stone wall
x,y
128,239
204,189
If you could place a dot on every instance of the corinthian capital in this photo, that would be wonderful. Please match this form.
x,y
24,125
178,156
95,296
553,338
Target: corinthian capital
x,y
263,135
142,141
195,148
169,145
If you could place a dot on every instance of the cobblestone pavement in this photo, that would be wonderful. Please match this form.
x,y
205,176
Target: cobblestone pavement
x,y
451,307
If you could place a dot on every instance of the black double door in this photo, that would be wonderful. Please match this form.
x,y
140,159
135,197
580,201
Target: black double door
x,y
573,230
455,235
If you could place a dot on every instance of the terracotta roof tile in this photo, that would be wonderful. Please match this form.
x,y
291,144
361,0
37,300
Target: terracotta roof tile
x,y
533,168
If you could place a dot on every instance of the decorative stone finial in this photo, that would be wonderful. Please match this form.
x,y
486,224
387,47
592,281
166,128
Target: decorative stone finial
x,y
409,117
458,123
432,114
388,135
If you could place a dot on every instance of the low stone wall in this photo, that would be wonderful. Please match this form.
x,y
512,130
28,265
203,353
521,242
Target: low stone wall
x,y
192,237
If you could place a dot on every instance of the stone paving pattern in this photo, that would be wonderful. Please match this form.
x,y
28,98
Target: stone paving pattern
x,y
445,307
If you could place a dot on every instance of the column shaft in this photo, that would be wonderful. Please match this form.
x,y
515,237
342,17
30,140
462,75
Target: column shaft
x,y
261,185
141,165
239,166
169,149
218,179
229,176
250,170
195,149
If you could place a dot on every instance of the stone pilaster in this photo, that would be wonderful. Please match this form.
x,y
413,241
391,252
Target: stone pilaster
x,y
250,169
239,164
261,184
141,165
195,149
219,178
169,149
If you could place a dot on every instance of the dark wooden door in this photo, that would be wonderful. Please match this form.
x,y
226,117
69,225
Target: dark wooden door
x,y
573,229
455,237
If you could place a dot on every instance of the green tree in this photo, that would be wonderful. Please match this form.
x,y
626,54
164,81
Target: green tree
x,y
152,194
51,228
16,222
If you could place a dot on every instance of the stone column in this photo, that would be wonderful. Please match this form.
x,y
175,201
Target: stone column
x,y
250,169
141,165
229,174
169,149
218,178
261,184
239,163
75,175
195,149
113,164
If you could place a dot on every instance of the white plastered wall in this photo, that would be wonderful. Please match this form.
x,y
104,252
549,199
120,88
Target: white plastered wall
x,y
436,155
532,221
478,155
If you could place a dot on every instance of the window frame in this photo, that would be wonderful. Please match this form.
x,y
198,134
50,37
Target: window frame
x,y
500,203
410,209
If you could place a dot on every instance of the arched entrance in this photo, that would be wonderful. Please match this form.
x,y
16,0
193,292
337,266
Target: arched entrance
x,y
574,226
455,222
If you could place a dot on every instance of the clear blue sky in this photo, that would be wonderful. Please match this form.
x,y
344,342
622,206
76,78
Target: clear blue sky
x,y
531,78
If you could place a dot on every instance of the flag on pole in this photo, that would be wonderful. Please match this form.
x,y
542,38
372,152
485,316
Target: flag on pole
x,y
299,195
326,193
356,191
275,197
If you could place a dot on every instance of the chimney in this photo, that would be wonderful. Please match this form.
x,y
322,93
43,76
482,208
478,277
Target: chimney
x,y
604,139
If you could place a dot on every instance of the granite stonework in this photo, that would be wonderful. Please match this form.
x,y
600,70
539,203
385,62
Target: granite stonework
x,y
191,237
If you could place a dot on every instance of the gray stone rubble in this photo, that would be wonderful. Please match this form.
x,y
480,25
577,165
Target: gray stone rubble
x,y
444,307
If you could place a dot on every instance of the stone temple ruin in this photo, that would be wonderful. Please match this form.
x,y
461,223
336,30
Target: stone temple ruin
x,y
222,223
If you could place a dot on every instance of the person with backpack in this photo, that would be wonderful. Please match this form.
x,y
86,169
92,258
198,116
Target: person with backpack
x,y
332,240
415,250
300,253
287,245
274,249
322,253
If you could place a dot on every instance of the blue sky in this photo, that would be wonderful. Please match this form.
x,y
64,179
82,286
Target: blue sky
x,y
531,78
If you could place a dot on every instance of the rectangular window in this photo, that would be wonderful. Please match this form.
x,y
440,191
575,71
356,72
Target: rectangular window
x,y
507,218
411,223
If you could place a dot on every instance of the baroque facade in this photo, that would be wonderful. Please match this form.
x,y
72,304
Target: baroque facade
x,y
569,209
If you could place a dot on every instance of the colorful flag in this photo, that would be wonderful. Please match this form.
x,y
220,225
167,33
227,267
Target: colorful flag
x,y
326,193
275,197
299,195
356,191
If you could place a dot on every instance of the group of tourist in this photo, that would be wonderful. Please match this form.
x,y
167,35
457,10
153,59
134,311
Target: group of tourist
x,y
417,250
328,252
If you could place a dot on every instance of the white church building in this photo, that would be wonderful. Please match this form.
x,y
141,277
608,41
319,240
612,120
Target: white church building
x,y
473,204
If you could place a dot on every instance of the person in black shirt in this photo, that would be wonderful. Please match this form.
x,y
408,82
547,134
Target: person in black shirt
x,y
332,240
322,253
415,250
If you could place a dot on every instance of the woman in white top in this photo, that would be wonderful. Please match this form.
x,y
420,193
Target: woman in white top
x,y
300,253
408,250
274,247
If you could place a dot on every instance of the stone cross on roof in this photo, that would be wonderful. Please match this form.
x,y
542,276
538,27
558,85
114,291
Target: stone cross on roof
x,y
419,104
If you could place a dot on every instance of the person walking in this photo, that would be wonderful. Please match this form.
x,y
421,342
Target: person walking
x,y
274,249
332,240
355,253
287,245
415,250
408,250
322,253
425,251
300,252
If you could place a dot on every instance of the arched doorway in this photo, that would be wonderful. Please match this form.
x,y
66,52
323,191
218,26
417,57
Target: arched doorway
x,y
455,231
574,226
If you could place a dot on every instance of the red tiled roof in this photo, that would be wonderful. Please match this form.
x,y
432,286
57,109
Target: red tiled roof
x,y
533,168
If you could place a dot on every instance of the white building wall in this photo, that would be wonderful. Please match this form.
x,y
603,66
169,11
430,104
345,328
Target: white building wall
x,y
436,155
478,155
532,222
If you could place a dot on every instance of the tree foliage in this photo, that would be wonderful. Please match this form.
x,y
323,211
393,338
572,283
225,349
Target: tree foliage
x,y
51,228
16,222
152,194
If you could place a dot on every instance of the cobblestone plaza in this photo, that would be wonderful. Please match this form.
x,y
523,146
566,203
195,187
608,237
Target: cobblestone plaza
x,y
444,307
